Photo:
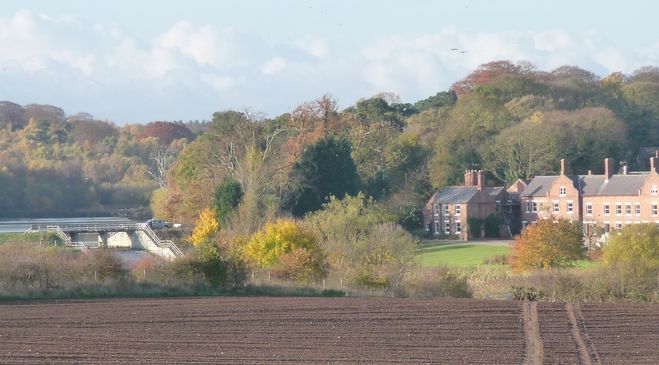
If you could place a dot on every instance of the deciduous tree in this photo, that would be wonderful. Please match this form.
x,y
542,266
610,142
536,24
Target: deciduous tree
x,y
547,244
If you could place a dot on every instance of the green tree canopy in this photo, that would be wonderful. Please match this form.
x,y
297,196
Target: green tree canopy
x,y
325,168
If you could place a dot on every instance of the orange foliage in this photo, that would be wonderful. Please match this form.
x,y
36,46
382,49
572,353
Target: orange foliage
x,y
547,244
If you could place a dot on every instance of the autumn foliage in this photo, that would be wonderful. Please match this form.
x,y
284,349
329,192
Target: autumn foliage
x,y
288,248
547,244
205,228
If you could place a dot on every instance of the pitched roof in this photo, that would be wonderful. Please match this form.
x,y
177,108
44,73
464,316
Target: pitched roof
x,y
590,185
621,185
539,186
463,194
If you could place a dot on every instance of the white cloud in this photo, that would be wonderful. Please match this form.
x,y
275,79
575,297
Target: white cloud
x,y
316,47
188,70
273,66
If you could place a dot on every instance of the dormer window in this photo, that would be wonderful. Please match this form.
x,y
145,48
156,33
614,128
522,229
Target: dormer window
x,y
562,191
654,190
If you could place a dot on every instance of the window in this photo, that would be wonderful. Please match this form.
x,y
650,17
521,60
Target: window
x,y
628,208
606,208
436,227
436,209
607,227
528,206
534,207
458,227
618,226
447,228
562,191
618,208
570,207
427,226
457,209
555,207
589,208
446,209
524,224
654,190
654,208
637,209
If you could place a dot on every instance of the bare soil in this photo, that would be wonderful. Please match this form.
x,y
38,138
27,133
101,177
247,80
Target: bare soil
x,y
317,330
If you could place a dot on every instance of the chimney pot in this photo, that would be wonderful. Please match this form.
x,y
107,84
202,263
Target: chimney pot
x,y
563,166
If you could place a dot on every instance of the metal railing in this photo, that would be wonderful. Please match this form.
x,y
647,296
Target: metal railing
x,y
161,243
61,232
95,227
65,237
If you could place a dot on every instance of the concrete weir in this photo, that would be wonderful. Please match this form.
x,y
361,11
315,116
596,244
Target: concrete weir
x,y
136,236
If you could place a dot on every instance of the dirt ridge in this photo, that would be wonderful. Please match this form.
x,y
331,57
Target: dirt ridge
x,y
534,351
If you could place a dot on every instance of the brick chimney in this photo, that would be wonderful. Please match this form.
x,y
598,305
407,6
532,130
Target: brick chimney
x,y
609,164
470,178
481,180
563,166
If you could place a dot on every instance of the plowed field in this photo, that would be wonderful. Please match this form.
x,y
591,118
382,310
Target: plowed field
x,y
323,330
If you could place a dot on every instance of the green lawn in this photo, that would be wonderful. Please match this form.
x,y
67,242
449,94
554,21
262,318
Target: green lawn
x,y
459,254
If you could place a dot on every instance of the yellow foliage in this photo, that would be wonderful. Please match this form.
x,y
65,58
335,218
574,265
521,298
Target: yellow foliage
x,y
205,228
276,240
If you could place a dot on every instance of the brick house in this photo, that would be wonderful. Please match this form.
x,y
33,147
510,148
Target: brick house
x,y
448,211
610,201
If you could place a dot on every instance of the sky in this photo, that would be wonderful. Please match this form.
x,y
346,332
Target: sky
x,y
142,61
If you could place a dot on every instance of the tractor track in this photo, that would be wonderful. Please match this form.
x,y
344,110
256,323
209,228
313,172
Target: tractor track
x,y
587,352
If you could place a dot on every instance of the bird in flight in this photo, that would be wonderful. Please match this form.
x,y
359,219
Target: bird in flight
x,y
454,49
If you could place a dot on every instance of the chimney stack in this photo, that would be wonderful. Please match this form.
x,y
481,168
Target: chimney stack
x,y
609,164
563,166
470,178
653,165
656,153
481,180
590,172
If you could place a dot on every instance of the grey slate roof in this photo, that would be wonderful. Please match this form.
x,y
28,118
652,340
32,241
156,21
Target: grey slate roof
x,y
590,185
621,185
539,186
463,194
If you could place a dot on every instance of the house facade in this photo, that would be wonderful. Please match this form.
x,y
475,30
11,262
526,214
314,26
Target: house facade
x,y
448,212
609,201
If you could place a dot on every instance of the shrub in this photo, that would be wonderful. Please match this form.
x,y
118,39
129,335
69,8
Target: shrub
x,y
547,244
634,251
287,248
440,283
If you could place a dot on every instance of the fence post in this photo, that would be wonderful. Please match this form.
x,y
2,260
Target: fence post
x,y
323,284
341,283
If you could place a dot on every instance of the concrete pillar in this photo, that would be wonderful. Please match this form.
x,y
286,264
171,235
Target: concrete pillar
x,y
103,239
